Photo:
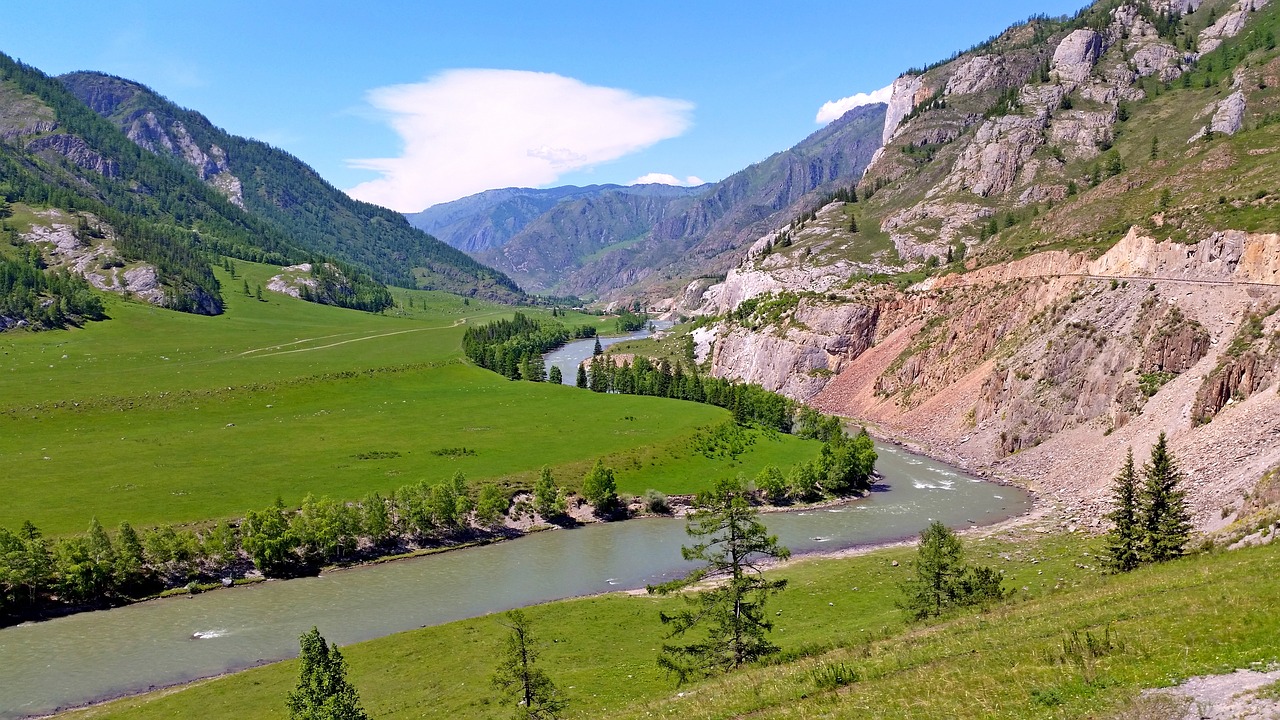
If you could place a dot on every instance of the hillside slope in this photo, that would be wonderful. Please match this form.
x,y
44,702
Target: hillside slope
x,y
1067,245
488,220
285,193
619,242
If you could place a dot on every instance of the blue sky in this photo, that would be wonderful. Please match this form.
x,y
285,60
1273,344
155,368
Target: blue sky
x,y
412,103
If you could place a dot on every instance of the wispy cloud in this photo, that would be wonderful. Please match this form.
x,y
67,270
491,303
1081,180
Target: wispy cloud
x,y
470,130
666,179
833,109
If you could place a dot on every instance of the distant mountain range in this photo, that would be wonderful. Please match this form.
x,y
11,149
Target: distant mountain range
x,y
610,241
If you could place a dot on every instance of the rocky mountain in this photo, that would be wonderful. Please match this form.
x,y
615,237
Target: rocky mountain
x,y
1068,244
282,191
488,220
618,242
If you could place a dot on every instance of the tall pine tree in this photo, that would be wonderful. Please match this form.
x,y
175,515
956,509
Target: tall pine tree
x,y
1166,524
1124,542
733,543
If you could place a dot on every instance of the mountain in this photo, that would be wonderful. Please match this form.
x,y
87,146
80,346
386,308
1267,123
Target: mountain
x,y
1069,244
284,192
613,242
488,220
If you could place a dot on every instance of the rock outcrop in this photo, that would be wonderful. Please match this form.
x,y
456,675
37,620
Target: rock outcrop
x,y
1075,56
902,100
1229,25
76,150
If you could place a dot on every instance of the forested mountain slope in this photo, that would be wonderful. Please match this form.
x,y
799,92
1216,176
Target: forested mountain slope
x,y
617,242
285,193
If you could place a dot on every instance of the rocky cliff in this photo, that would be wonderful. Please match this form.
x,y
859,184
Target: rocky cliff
x,y
1067,245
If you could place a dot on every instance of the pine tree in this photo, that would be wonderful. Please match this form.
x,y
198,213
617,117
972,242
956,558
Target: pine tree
x,y
943,580
323,692
582,376
597,350
733,543
536,697
554,375
1166,525
1125,539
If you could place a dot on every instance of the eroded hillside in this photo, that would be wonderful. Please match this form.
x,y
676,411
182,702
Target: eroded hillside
x,y
1066,246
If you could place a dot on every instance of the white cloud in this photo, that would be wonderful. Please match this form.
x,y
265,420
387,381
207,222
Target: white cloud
x,y
470,130
833,109
667,179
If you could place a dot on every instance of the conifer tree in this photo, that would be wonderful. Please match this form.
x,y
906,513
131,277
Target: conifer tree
x,y
582,377
535,695
1125,539
597,350
323,692
1166,525
733,543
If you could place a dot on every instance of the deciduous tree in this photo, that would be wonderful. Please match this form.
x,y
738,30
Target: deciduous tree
x,y
323,692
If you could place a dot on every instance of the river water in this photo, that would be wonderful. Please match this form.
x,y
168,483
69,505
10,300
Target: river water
x,y
86,657
570,356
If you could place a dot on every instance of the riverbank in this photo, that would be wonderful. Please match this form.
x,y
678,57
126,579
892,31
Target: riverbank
x,y
354,604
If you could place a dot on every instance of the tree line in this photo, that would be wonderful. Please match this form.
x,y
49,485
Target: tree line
x,y
514,348
40,575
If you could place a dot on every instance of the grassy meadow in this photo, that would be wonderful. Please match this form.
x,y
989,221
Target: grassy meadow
x,y
163,417
1204,614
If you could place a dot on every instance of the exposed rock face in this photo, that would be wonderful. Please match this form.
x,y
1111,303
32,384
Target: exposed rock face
x,y
979,74
77,151
1229,117
98,263
901,102
1081,132
1075,56
1001,147
1229,25
146,130
913,233
292,279
814,343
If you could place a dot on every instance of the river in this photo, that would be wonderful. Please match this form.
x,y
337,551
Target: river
x,y
90,656
570,356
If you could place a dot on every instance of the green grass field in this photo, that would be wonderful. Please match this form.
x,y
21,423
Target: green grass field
x,y
1206,614
157,417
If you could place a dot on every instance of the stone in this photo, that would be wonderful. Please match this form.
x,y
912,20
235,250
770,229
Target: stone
x,y
901,101
1076,55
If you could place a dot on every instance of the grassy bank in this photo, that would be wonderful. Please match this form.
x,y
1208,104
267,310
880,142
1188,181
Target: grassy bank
x,y
1200,615
162,417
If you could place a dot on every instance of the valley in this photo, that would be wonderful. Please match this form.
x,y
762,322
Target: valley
x,y
1025,307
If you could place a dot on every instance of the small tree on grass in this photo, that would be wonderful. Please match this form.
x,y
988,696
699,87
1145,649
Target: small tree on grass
x,y
555,376
1125,539
581,380
942,580
548,499
323,692
601,490
733,543
518,675
1166,525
